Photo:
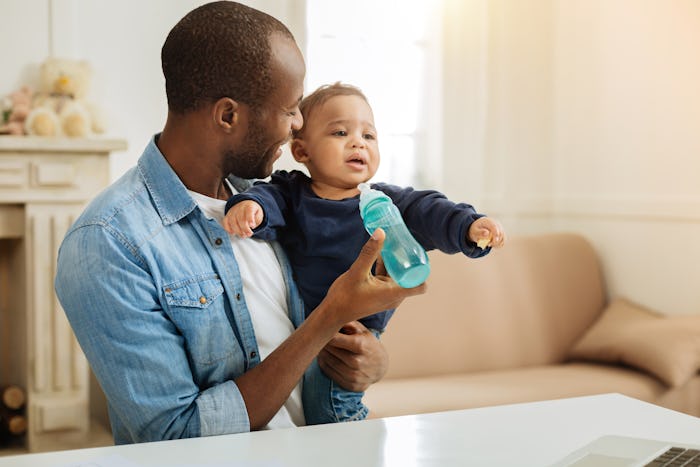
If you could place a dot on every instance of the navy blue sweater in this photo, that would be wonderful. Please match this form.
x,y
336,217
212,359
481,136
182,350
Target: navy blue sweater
x,y
323,237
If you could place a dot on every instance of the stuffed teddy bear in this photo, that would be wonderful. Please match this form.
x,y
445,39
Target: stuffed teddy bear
x,y
60,107
15,109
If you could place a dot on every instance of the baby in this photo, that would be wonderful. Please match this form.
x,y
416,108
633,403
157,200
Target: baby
x,y
317,220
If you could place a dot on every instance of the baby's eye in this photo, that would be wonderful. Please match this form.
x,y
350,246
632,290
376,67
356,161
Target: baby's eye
x,y
370,136
340,133
292,113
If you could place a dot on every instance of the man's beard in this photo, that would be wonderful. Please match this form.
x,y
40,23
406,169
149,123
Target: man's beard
x,y
249,163
254,159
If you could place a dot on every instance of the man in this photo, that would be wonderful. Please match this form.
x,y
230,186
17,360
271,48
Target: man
x,y
191,332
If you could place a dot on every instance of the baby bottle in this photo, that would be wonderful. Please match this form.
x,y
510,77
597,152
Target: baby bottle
x,y
404,258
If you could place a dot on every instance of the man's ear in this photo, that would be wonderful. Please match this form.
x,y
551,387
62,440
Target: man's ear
x,y
226,113
299,151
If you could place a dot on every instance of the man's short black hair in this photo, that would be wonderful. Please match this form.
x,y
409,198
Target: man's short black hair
x,y
221,49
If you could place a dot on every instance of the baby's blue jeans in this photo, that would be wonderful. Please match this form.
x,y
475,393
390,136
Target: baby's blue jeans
x,y
326,402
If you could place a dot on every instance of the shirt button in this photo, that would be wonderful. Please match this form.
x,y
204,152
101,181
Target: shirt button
x,y
218,241
238,296
202,300
253,354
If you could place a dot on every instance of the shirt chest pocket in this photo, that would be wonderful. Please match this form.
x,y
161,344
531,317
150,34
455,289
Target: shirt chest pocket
x,y
198,292
197,307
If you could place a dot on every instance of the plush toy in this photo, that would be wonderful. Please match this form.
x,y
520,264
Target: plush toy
x,y
15,108
60,107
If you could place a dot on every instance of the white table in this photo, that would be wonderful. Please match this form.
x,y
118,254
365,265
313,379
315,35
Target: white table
x,y
531,434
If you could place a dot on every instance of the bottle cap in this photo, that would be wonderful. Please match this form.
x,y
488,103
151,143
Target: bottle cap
x,y
368,195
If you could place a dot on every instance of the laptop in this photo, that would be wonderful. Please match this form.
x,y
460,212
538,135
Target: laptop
x,y
622,451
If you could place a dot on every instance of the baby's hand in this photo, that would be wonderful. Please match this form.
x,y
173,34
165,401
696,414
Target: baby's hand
x,y
242,218
487,232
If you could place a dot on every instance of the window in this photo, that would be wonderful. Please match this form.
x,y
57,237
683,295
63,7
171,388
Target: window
x,y
390,50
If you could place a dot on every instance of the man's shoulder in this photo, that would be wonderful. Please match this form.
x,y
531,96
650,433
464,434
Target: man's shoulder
x,y
119,207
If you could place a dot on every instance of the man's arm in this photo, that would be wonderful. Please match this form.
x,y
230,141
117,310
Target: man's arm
x,y
266,387
137,352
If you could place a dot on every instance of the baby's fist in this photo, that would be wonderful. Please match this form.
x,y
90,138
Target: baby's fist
x,y
242,218
487,232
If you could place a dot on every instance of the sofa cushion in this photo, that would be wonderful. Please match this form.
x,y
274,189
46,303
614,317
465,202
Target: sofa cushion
x,y
667,347
403,396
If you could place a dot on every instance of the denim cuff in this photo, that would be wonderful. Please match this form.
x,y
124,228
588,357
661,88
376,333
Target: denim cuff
x,y
222,410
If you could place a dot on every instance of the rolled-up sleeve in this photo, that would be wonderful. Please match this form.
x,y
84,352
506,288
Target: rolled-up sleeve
x,y
222,410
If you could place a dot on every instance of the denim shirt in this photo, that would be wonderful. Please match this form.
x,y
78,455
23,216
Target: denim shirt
x,y
153,293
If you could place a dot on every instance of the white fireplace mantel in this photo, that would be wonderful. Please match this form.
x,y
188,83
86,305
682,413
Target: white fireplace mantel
x,y
44,185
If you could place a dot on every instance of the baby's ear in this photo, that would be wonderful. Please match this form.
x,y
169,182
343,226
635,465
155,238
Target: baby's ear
x,y
299,151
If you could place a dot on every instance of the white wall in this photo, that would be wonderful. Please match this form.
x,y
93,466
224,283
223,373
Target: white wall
x,y
592,125
626,142
21,50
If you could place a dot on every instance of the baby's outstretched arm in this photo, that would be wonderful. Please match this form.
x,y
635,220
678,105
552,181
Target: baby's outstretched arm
x,y
242,218
487,232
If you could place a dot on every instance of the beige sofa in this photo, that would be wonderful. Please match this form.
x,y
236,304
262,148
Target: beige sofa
x,y
531,322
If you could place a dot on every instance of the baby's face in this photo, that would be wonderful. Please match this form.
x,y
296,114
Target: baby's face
x,y
340,143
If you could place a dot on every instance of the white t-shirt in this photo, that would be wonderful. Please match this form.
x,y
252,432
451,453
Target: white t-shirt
x,y
266,297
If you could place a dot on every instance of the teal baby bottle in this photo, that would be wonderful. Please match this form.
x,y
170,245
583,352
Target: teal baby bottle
x,y
404,258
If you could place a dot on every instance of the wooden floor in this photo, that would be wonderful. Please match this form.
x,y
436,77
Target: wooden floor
x,y
99,436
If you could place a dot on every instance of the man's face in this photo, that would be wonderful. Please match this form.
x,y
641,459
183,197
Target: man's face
x,y
269,127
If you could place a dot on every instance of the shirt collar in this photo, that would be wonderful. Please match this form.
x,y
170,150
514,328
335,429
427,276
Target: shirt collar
x,y
169,194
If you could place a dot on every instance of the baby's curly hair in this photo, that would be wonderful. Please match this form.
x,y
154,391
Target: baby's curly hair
x,y
218,50
317,98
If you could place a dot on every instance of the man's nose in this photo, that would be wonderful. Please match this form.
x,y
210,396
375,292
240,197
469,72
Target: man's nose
x,y
297,121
